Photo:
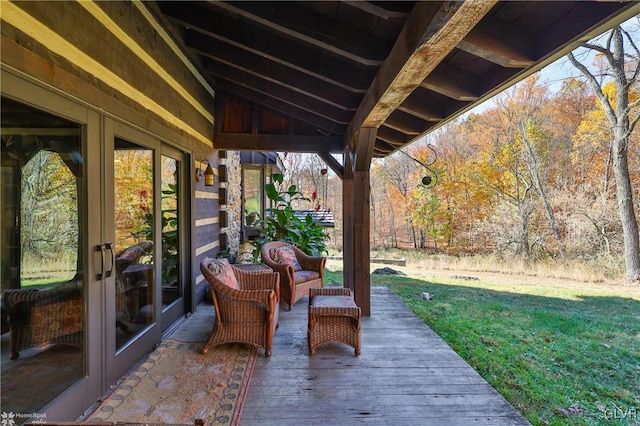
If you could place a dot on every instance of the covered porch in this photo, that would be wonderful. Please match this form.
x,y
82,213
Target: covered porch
x,y
405,375
189,85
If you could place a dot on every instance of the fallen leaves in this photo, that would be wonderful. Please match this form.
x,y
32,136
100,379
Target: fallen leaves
x,y
574,409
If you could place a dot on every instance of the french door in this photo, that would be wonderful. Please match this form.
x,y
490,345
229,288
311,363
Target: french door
x,y
94,220
52,290
144,224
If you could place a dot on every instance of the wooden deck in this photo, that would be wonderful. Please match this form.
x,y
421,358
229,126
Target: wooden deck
x,y
406,375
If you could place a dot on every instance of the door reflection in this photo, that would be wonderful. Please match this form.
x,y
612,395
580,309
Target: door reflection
x,y
171,285
134,218
43,181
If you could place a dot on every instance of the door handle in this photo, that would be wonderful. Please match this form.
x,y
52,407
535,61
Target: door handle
x,y
109,246
100,248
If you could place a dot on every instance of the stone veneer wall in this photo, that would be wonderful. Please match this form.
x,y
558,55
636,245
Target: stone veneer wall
x,y
234,201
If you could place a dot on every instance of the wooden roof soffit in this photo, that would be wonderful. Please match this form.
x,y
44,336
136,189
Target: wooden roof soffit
x,y
431,32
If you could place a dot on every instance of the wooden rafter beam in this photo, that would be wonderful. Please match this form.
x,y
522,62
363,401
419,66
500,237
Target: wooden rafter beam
x,y
501,43
249,62
383,148
454,83
273,143
338,71
431,32
374,10
317,30
407,123
392,136
425,101
278,92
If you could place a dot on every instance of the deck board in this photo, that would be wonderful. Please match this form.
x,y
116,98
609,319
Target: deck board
x,y
406,375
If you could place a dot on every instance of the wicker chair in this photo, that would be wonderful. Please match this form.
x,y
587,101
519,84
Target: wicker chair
x,y
38,317
128,286
246,314
298,275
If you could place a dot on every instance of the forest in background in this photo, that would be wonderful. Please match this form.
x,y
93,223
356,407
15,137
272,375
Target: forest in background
x,y
532,176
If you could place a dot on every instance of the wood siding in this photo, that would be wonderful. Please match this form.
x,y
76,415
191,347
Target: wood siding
x,y
116,59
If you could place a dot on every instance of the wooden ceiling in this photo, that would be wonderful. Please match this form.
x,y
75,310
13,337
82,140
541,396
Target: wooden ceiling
x,y
326,69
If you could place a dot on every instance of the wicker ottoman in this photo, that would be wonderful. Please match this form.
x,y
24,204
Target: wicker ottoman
x,y
333,317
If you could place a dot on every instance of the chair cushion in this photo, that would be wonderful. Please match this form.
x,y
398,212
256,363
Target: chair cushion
x,y
333,302
221,269
285,256
304,276
131,254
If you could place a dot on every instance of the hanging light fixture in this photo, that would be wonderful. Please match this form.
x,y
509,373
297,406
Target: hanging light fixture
x,y
207,174
431,179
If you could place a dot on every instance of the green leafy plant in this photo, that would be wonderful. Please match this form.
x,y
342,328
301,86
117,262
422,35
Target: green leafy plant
x,y
282,224
169,237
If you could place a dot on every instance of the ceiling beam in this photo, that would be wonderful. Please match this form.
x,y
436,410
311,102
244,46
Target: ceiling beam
x,y
454,83
392,136
383,148
374,10
260,66
446,105
273,143
431,32
284,95
407,123
338,71
501,43
315,29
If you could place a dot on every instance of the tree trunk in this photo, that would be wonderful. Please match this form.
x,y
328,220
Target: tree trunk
x,y
617,112
534,173
626,211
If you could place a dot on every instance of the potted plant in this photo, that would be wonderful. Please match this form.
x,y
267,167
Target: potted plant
x,y
282,224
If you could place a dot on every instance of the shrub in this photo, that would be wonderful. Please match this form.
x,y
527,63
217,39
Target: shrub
x,y
282,224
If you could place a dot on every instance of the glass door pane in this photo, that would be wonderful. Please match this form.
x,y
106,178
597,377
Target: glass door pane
x,y
171,282
174,256
134,235
42,233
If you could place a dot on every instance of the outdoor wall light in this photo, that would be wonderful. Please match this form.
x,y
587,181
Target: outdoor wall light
x,y
207,174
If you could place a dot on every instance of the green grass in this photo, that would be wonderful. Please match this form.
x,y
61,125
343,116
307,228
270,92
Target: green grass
x,y
560,356
41,284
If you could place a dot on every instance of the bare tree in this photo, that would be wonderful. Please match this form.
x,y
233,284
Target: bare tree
x,y
622,120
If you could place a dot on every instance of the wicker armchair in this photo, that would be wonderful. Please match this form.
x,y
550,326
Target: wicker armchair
x,y
129,285
246,304
298,274
38,317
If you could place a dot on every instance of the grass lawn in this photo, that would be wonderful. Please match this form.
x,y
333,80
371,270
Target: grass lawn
x,y
561,356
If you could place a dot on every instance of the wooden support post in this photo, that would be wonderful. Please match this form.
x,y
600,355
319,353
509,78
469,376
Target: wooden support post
x,y
348,245
357,218
361,232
